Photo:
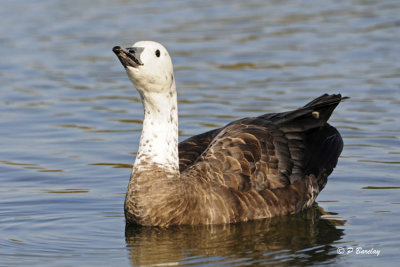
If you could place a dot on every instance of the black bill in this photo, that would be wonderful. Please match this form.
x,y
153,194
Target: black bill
x,y
129,57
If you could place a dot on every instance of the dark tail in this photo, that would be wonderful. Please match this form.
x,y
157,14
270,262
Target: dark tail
x,y
314,114
324,105
324,143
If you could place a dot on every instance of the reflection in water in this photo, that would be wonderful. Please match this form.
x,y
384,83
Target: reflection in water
x,y
294,239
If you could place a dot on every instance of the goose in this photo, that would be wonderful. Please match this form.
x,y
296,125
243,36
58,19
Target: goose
x,y
252,168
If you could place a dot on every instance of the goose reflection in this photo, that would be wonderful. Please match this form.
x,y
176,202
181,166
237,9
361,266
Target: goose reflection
x,y
293,239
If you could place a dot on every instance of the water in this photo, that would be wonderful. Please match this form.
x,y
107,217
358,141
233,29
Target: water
x,y
70,123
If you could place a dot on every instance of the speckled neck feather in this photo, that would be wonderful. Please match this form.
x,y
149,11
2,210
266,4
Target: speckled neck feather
x,y
159,140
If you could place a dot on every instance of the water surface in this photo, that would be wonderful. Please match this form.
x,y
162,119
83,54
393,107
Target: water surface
x,y
70,123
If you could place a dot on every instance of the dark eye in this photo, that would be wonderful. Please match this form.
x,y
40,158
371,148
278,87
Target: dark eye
x,y
158,53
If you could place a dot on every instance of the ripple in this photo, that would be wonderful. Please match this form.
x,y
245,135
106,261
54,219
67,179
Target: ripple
x,y
70,123
66,191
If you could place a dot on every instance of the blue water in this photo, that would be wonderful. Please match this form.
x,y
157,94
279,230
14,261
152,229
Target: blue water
x,y
70,122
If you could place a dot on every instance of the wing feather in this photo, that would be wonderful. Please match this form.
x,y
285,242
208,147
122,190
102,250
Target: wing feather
x,y
191,148
270,151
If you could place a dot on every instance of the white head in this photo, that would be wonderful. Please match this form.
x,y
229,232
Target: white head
x,y
148,66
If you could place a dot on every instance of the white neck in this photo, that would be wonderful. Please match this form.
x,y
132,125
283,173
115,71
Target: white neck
x,y
159,141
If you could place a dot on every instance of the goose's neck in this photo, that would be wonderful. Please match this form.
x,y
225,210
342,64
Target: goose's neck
x,y
159,141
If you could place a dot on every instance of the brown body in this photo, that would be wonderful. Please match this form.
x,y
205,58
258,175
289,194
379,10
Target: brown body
x,y
252,168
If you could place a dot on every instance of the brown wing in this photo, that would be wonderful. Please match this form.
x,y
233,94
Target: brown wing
x,y
270,151
191,148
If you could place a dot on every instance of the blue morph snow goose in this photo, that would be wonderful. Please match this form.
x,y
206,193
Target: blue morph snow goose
x,y
252,168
